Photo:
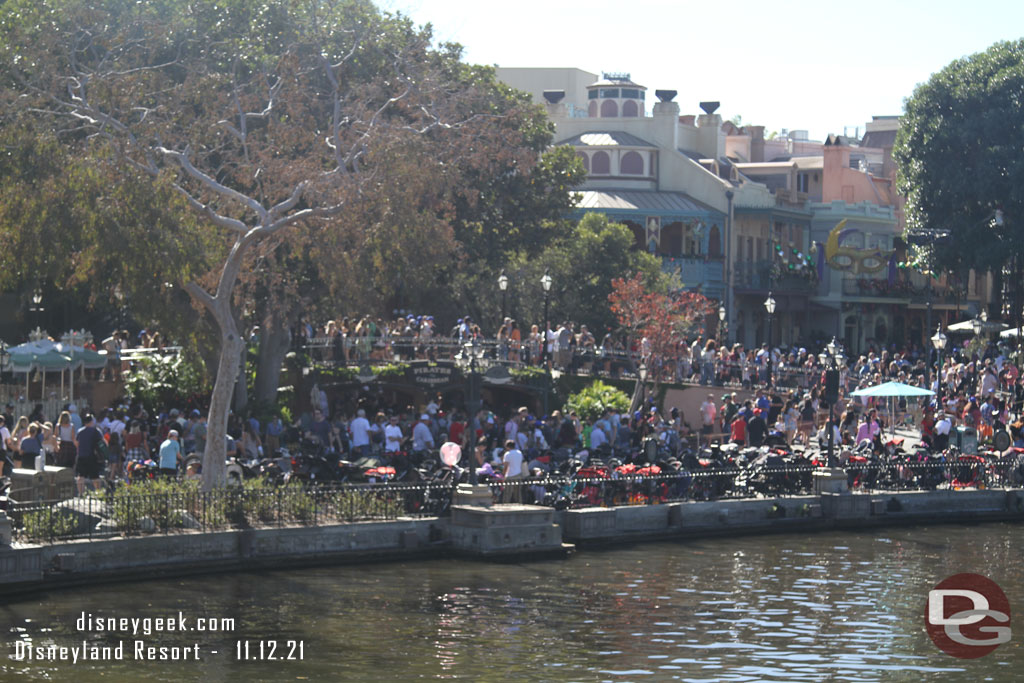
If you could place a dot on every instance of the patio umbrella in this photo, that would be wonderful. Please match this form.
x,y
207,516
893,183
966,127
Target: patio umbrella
x,y
987,327
892,390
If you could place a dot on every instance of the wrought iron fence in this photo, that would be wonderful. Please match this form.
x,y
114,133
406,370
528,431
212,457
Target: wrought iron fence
x,y
132,513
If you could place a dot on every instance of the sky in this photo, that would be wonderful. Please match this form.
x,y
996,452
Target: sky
x,y
823,66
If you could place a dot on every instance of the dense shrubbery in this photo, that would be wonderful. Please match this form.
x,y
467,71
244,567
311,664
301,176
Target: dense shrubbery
x,y
591,402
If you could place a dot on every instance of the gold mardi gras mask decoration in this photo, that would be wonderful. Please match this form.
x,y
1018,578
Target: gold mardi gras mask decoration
x,y
851,258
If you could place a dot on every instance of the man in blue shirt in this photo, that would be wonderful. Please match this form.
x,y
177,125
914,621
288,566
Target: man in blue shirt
x,y
170,454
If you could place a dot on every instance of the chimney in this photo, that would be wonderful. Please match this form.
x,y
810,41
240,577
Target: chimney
x,y
710,140
836,165
666,117
554,98
756,143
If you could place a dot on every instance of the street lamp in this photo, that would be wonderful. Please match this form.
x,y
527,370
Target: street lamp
x,y
769,305
641,373
545,283
833,360
721,323
503,286
472,354
939,342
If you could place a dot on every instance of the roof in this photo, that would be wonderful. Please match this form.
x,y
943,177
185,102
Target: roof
x,y
805,163
605,139
641,200
879,139
616,80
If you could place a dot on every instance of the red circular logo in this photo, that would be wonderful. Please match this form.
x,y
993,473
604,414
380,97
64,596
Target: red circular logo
x,y
967,616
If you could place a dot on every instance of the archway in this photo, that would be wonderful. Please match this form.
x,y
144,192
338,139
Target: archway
x,y
714,243
672,239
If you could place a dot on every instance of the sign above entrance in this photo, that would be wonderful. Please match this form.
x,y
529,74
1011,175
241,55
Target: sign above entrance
x,y
431,374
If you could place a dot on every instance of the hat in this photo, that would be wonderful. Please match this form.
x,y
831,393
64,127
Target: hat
x,y
173,432
424,416
195,413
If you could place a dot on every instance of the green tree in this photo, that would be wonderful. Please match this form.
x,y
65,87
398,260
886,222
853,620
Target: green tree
x,y
958,155
582,265
260,118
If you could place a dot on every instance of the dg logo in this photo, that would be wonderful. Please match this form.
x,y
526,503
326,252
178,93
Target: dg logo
x,y
967,616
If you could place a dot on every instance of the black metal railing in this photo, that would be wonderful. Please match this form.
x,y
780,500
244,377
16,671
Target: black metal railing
x,y
133,513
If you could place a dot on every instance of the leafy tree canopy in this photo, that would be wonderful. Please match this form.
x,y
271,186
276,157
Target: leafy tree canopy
x,y
958,152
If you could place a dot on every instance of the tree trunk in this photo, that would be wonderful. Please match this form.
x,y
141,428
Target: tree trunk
x,y
217,420
275,340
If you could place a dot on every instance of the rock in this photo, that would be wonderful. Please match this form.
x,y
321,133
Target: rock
x,y
183,519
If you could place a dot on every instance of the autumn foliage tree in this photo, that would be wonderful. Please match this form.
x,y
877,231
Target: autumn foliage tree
x,y
656,322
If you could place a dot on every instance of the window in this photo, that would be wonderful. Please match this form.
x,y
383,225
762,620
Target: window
x,y
801,182
601,163
585,159
714,242
629,108
631,93
632,163
609,92
609,109
592,94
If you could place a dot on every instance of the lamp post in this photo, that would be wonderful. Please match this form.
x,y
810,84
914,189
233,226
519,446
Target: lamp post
x,y
833,360
545,283
721,324
472,353
769,305
503,286
939,342
37,305
641,374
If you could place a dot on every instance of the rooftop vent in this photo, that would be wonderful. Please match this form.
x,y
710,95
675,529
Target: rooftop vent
x,y
710,107
666,95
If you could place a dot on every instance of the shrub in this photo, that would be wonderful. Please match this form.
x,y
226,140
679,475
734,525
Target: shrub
x,y
591,402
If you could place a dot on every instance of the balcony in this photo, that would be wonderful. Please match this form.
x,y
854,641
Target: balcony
x,y
697,271
758,276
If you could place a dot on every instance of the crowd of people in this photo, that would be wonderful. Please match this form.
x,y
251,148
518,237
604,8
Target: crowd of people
x,y
982,389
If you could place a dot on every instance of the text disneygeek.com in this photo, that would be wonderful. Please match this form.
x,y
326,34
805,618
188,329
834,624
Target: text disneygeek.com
x,y
147,650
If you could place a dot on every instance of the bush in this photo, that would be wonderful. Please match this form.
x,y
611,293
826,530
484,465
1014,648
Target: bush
x,y
591,402
160,381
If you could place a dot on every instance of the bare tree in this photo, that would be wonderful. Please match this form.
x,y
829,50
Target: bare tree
x,y
257,137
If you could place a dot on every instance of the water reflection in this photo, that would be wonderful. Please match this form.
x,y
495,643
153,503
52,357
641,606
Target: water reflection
x,y
777,608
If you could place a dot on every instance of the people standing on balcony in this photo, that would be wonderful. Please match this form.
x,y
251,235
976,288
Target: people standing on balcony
x,y
708,358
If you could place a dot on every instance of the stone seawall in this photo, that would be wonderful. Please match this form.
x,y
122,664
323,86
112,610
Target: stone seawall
x,y
40,567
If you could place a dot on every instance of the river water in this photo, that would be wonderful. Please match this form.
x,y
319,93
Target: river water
x,y
826,606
